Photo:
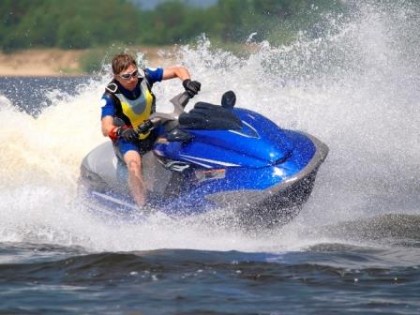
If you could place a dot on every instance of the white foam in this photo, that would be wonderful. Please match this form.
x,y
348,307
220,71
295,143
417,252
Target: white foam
x,y
356,87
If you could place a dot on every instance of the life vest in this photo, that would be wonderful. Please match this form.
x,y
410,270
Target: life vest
x,y
133,112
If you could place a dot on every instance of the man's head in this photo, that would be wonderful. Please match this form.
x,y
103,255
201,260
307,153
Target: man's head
x,y
122,62
125,70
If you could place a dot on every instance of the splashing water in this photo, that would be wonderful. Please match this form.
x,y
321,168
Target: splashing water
x,y
354,84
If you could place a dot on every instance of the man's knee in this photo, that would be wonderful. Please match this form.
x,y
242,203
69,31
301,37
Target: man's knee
x,y
133,165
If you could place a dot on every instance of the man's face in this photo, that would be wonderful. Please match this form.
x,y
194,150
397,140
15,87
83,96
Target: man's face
x,y
128,78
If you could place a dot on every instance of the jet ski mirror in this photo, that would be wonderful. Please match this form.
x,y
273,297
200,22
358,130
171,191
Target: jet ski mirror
x,y
228,99
179,102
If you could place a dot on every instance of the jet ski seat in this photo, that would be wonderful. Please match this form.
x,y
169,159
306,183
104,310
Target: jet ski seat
x,y
209,117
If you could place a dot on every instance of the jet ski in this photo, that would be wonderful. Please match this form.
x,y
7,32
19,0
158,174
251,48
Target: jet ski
x,y
213,157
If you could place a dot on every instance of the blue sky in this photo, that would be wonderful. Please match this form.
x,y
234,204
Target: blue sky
x,y
151,4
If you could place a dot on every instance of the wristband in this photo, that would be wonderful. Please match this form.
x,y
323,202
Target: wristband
x,y
114,133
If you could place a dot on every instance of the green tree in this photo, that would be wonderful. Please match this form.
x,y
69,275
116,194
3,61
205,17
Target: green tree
x,y
173,22
99,23
67,24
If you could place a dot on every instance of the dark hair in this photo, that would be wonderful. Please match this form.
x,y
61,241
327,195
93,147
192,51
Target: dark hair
x,y
121,62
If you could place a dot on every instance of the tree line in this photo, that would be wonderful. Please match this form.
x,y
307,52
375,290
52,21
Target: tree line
x,y
80,24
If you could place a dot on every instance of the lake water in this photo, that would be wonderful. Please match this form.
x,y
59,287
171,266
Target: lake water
x,y
355,247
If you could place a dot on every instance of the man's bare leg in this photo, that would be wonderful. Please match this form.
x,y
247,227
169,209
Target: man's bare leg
x,y
135,178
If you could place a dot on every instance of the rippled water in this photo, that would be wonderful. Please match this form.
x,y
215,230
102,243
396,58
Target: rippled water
x,y
355,247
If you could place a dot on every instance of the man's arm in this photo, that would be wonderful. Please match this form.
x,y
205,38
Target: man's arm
x,y
176,71
192,87
107,125
107,116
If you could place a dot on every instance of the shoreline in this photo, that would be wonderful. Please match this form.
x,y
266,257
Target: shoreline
x,y
41,62
56,62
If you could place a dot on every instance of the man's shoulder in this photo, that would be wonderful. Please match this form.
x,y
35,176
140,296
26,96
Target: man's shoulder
x,y
154,74
108,99
110,90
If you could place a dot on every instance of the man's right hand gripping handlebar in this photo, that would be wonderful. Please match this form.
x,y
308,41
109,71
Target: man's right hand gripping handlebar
x,y
128,134
145,127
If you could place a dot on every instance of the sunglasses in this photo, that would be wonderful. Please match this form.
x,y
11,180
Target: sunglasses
x,y
128,76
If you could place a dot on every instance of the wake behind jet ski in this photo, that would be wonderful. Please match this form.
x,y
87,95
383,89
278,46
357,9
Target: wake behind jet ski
x,y
212,157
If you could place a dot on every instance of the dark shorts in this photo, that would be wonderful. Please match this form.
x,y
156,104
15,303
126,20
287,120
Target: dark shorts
x,y
122,146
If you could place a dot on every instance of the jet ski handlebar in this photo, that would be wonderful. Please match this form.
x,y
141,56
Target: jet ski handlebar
x,y
179,102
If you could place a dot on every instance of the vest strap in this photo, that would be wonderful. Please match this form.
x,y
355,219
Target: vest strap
x,y
112,87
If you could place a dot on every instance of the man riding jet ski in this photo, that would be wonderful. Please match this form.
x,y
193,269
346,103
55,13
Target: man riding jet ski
x,y
212,157
129,98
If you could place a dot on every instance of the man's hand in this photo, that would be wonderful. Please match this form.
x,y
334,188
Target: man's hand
x,y
128,134
145,127
192,87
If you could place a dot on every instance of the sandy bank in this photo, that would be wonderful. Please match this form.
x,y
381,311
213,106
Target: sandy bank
x,y
40,62
56,62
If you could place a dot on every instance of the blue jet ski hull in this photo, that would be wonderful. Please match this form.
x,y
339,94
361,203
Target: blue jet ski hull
x,y
261,172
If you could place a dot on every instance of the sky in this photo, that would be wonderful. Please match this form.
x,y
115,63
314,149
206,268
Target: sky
x,y
151,4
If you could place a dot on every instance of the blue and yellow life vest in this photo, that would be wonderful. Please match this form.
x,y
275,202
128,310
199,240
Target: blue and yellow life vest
x,y
133,112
